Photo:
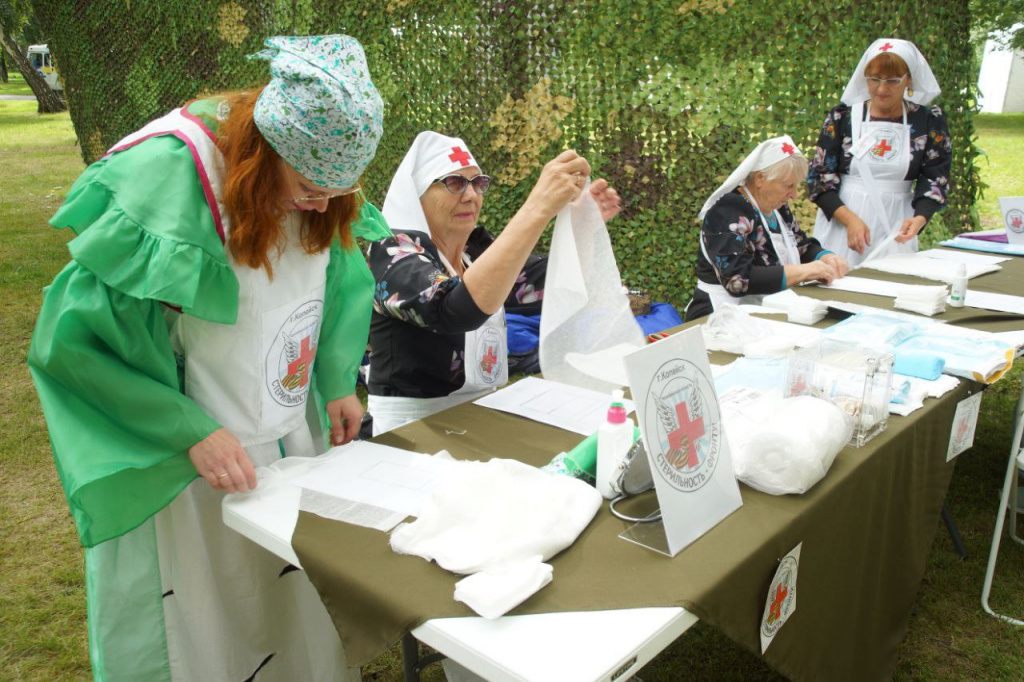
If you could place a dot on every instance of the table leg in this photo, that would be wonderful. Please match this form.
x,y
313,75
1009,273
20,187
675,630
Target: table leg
x,y
954,534
412,664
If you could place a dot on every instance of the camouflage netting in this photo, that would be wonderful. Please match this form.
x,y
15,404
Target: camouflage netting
x,y
664,98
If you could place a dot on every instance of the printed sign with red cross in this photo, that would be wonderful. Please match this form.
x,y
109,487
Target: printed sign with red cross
x,y
780,603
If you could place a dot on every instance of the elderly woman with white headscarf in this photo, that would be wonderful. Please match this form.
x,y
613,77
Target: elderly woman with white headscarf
x,y
438,333
214,284
881,168
750,243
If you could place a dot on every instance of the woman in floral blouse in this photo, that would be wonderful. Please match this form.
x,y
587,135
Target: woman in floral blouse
x,y
750,243
438,332
881,168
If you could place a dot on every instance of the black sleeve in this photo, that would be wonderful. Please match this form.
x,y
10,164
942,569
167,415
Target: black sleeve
x,y
731,234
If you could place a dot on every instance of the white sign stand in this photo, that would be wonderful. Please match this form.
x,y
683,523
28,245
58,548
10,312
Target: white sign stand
x,y
681,423
1013,218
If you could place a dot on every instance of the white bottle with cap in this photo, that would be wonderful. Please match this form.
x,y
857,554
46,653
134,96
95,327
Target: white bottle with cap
x,y
958,287
614,439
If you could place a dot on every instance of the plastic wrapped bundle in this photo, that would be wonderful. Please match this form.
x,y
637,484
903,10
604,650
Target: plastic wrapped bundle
x,y
785,445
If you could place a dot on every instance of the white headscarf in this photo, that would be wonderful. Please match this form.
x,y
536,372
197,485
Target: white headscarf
x,y
768,153
431,156
923,83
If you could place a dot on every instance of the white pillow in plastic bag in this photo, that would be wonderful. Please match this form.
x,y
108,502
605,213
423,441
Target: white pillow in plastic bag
x,y
785,445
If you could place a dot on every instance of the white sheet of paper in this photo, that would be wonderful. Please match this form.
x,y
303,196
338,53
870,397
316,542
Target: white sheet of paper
x,y
385,477
962,256
572,408
1000,302
681,423
965,421
863,285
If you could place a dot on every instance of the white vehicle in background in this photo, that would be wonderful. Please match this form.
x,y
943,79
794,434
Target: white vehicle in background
x,y
41,59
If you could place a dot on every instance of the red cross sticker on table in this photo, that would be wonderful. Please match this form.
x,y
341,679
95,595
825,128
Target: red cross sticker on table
x,y
459,155
300,366
775,612
685,437
489,360
787,148
882,147
886,47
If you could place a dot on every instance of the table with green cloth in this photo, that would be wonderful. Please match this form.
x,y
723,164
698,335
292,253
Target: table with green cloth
x,y
866,530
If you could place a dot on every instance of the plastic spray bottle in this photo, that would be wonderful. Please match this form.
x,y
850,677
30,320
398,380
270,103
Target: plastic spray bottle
x,y
958,287
614,439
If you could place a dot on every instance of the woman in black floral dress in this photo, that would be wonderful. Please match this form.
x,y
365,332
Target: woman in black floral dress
x,y
881,168
438,332
750,243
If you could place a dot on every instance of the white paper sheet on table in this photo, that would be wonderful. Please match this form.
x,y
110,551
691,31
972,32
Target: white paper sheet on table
x,y
962,256
375,474
1001,302
572,408
917,265
864,285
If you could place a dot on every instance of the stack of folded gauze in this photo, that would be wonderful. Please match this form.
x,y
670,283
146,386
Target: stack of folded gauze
x,y
499,521
922,299
799,309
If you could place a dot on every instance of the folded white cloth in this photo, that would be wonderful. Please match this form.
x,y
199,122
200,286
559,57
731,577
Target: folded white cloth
x,y
493,593
798,309
492,517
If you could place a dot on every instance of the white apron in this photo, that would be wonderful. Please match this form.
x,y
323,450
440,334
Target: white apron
x,y
784,245
875,189
486,364
229,607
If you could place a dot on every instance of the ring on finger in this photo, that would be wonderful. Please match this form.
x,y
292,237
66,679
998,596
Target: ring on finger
x,y
222,475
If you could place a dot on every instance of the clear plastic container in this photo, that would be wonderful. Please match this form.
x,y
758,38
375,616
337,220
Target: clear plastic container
x,y
855,378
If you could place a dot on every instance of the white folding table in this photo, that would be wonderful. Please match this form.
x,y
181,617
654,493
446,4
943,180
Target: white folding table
x,y
591,645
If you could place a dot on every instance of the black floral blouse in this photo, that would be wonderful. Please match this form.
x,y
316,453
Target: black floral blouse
x,y
743,259
931,156
421,314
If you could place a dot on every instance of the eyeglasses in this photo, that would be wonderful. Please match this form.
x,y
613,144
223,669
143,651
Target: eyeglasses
x,y
320,196
457,184
874,82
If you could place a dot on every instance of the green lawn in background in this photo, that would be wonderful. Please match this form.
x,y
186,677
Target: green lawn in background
x,y
16,84
42,602
1001,137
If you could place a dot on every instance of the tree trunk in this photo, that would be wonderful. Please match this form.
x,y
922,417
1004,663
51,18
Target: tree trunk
x,y
3,67
49,101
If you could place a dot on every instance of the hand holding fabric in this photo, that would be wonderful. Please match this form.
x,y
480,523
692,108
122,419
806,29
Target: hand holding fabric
x,y
910,228
345,414
815,271
222,461
840,264
858,235
560,182
607,199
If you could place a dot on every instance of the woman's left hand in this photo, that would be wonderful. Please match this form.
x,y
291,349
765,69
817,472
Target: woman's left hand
x,y
840,264
607,199
346,414
910,228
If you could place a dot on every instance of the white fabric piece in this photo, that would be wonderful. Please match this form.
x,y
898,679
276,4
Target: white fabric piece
x,y
768,153
928,268
919,390
494,593
585,310
785,445
921,299
431,156
491,516
732,330
923,83
798,309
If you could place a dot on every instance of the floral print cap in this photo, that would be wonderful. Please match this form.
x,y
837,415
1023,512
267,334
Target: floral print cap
x,y
320,111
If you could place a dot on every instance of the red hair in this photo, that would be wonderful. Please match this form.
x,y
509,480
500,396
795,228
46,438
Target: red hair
x,y
886,65
252,193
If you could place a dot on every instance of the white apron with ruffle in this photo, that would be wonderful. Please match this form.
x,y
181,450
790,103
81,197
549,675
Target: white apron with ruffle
x,y
875,189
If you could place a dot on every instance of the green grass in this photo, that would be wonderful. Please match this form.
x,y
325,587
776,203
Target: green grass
x,y
42,602
1001,137
16,85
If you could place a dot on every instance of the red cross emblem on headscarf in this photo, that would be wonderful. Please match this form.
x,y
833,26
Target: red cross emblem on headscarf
x,y
775,612
684,439
886,47
787,148
459,155
489,360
